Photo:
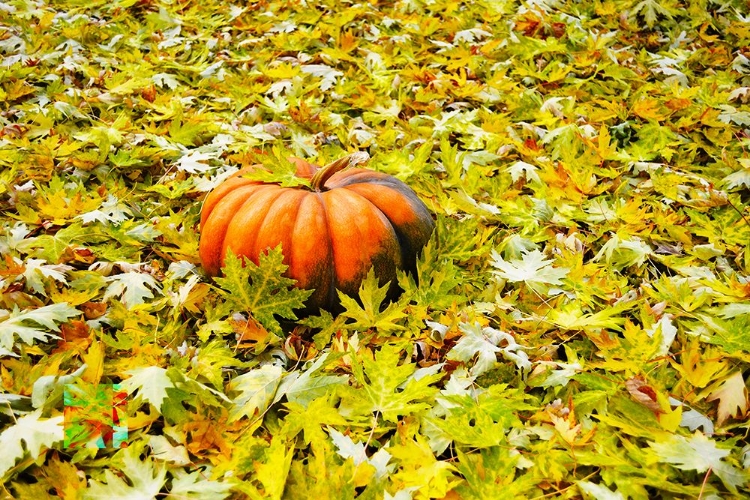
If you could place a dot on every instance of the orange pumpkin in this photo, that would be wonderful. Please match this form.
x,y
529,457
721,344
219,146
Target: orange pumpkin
x,y
331,235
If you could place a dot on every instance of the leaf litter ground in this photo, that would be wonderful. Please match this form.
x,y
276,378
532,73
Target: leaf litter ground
x,y
580,322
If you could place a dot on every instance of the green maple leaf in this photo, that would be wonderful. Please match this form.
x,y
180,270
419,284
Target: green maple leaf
x,y
305,387
272,472
310,420
387,387
491,473
368,315
650,10
278,170
262,290
482,421
211,362
732,335
257,389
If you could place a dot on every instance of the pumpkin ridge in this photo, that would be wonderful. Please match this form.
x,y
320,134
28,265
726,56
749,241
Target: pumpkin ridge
x,y
372,242
213,225
285,197
269,207
395,230
409,227
254,234
332,271
234,182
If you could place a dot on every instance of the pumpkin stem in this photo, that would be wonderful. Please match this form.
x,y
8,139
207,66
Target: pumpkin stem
x,y
324,173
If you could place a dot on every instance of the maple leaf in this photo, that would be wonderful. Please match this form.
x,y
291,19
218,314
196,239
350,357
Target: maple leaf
x,y
699,453
261,289
132,287
650,9
145,480
36,432
732,396
112,210
526,170
624,252
257,389
304,388
273,471
598,491
368,315
47,316
194,485
277,169
732,335
560,373
151,382
193,162
533,269
310,419
36,270
386,387
162,449
483,343
165,80
327,74
347,448
572,317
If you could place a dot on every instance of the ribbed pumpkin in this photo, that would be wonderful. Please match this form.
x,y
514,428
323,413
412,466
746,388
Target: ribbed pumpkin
x,y
331,235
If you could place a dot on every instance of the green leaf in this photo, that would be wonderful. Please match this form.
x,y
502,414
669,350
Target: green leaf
x,y
278,170
732,335
386,386
368,315
262,290
257,389
273,471
305,387
311,418
491,473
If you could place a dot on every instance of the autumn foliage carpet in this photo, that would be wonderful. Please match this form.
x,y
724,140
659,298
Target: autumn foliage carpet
x,y
580,323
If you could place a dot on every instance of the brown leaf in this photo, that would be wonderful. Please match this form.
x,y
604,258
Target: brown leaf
x,y
643,393
93,310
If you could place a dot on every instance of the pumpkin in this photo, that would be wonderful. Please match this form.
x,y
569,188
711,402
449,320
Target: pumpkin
x,y
331,234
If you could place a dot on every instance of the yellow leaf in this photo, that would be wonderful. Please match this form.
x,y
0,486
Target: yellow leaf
x,y
94,359
648,109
